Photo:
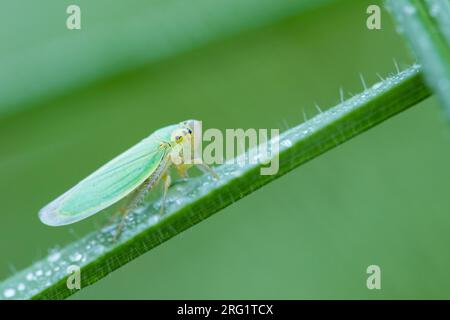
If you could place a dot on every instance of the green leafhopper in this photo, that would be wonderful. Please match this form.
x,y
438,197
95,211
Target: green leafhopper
x,y
133,173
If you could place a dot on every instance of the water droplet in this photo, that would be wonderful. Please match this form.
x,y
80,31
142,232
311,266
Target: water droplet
x,y
153,219
108,229
286,143
30,276
99,249
9,293
21,287
48,273
76,257
54,256
377,85
39,273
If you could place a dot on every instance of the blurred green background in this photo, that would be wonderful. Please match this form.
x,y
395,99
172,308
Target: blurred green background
x,y
378,199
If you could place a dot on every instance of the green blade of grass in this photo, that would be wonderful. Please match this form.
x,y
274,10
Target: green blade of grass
x,y
425,24
191,202
440,11
106,47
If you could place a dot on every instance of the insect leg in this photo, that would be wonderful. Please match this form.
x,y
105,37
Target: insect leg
x,y
207,169
123,209
142,191
167,181
182,171
136,198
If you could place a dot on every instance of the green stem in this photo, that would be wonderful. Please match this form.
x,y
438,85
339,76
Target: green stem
x,y
425,25
189,203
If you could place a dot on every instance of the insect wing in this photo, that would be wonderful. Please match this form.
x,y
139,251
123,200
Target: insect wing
x,y
109,184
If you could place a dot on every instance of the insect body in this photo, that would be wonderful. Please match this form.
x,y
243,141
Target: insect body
x,y
133,173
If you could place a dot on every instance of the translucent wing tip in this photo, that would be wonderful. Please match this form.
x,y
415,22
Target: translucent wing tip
x,y
48,215
51,215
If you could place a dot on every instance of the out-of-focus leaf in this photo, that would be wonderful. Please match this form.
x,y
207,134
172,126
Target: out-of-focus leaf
x,y
425,25
145,32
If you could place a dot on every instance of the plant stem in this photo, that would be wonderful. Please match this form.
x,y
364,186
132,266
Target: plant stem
x,y
426,26
189,203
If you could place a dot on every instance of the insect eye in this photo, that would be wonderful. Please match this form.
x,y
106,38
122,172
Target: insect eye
x,y
178,138
189,130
